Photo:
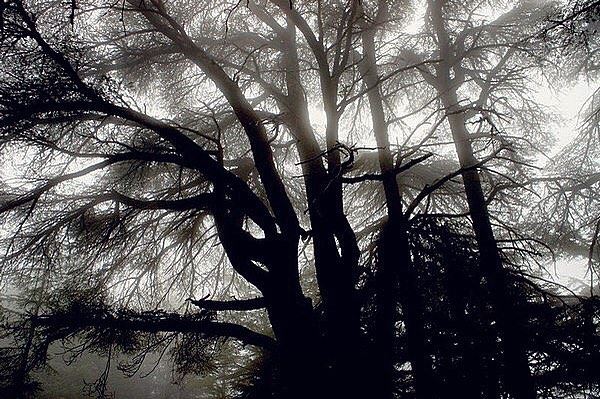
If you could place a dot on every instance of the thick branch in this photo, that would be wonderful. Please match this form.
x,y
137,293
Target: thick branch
x,y
35,194
380,177
427,190
252,124
236,304
200,201
201,160
154,323
315,45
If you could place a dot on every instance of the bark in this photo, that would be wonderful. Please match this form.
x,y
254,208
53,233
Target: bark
x,y
302,367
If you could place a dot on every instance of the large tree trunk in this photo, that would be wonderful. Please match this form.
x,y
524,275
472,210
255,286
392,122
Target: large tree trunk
x,y
303,368
334,242
395,272
517,375
342,346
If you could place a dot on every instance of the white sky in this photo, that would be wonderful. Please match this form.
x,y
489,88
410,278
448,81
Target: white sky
x,y
567,103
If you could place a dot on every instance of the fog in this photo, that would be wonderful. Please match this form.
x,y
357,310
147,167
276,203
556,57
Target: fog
x,y
299,199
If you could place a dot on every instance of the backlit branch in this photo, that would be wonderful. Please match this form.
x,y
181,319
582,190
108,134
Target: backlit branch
x,y
155,323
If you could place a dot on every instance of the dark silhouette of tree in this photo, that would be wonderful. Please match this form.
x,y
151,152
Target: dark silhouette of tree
x,y
198,179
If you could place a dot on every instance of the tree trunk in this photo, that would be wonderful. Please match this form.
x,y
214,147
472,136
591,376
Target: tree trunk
x,y
517,376
301,360
470,375
395,270
342,346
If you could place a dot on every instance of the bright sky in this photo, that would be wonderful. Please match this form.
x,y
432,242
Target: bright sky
x,y
567,103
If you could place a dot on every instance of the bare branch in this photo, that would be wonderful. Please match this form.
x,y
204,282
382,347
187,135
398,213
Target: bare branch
x,y
158,322
379,177
236,304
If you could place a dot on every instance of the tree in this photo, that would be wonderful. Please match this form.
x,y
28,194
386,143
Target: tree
x,y
173,159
